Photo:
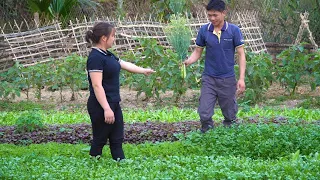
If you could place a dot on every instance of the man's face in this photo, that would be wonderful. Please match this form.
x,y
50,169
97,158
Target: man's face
x,y
216,17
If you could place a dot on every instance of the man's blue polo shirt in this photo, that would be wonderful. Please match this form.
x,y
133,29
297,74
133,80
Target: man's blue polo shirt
x,y
109,65
219,59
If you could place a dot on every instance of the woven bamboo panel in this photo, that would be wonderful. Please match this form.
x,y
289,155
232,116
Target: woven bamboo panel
x,y
250,29
38,44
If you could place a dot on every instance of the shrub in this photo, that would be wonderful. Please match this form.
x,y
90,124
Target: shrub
x,y
29,121
258,76
293,65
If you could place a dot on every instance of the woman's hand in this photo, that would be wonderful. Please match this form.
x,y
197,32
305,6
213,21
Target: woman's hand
x,y
148,71
109,116
135,69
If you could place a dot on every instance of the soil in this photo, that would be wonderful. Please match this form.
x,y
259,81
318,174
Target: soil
x,y
302,91
129,98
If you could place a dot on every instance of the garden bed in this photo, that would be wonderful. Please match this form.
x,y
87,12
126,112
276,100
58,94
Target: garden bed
x,y
135,133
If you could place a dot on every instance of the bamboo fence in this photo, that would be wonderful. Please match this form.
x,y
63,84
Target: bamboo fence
x,y
41,44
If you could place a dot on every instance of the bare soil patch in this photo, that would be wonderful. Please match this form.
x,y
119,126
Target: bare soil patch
x,y
129,98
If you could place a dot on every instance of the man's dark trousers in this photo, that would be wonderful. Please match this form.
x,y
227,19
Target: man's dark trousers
x,y
223,90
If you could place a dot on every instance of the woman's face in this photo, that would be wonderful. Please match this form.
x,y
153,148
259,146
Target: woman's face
x,y
111,38
108,41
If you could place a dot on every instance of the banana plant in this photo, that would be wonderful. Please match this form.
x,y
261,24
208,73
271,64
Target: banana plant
x,y
56,9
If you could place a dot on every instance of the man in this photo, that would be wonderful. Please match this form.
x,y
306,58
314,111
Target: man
x,y
221,40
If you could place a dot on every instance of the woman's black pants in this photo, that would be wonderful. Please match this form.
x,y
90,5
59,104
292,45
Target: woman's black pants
x,y
103,131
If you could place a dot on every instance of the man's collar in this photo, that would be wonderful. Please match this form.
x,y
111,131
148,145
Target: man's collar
x,y
225,26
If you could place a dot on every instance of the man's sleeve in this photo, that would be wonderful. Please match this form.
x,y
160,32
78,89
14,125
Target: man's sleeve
x,y
238,38
95,64
201,40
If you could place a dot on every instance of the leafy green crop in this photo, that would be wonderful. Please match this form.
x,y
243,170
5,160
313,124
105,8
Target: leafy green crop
x,y
246,152
293,65
179,35
168,115
259,76
167,76
29,121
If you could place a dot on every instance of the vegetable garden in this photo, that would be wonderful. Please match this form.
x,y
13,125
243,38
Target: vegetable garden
x,y
42,140
45,130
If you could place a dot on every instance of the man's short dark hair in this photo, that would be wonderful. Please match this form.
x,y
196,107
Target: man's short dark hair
x,y
216,5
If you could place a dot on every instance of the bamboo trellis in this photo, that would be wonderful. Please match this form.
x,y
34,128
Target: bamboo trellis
x,y
37,45
251,31
305,27
40,44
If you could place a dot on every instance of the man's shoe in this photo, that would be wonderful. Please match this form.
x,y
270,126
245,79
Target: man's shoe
x,y
229,123
204,129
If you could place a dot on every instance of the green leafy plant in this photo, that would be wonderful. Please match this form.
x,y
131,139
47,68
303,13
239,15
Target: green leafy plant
x,y
165,8
246,152
58,9
74,72
168,75
259,76
26,80
58,79
10,82
40,75
169,114
29,121
179,36
177,6
151,55
291,67
120,12
315,69
8,91
23,106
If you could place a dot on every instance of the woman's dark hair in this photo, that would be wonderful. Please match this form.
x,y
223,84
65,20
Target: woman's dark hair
x,y
216,5
100,29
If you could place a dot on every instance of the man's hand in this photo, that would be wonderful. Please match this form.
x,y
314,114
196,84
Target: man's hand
x,y
195,56
241,86
147,72
187,62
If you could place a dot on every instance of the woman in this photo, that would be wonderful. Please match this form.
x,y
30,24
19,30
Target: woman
x,y
103,104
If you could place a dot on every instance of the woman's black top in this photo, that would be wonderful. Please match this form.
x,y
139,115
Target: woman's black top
x,y
109,65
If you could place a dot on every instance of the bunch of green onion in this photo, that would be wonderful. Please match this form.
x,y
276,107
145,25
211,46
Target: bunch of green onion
x,y
179,36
